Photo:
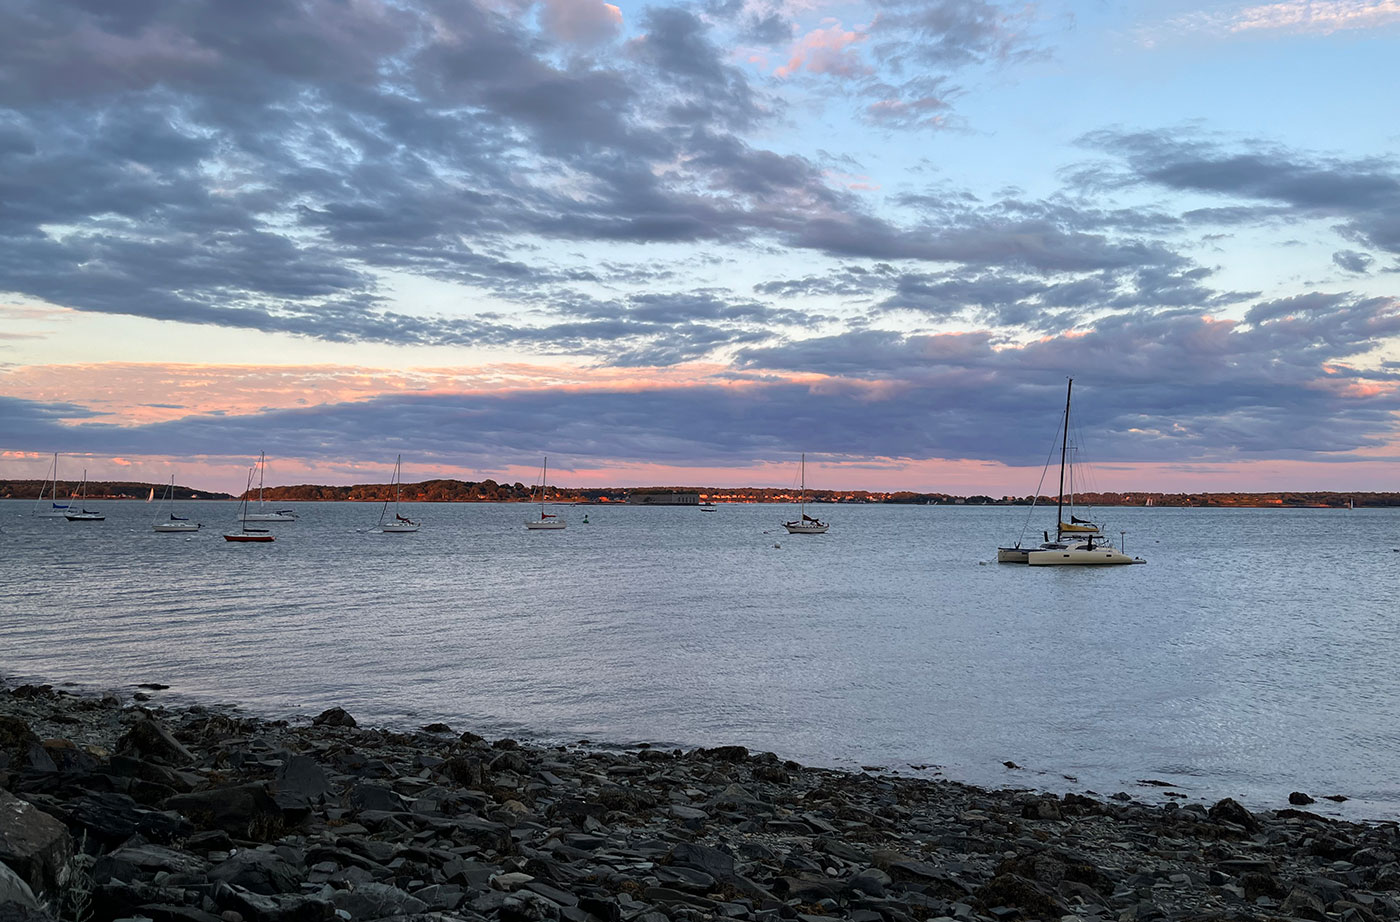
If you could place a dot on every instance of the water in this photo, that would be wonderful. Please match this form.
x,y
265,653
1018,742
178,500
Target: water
x,y
1255,654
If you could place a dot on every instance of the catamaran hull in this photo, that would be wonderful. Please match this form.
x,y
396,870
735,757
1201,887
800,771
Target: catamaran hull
x,y
85,517
245,537
794,529
1080,557
167,528
544,526
268,517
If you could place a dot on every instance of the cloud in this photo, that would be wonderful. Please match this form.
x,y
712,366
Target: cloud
x,y
1293,380
1352,261
581,22
830,50
1364,194
1320,16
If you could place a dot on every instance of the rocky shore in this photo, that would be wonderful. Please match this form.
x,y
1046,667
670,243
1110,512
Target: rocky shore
x,y
113,809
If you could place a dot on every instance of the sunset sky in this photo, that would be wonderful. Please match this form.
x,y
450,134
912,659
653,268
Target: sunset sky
x,y
684,243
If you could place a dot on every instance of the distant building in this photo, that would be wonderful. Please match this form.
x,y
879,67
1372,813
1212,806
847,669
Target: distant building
x,y
663,498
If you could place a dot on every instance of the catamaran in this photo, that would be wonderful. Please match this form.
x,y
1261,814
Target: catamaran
x,y
547,521
175,524
262,515
52,509
805,524
399,524
1078,542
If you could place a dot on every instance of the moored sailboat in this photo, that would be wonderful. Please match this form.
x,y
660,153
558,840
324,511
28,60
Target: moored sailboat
x,y
1074,543
805,524
175,524
244,533
262,514
399,524
81,514
547,521
53,509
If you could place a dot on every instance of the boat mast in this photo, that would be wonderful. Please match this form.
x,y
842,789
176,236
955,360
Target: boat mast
x,y
544,478
801,504
1064,442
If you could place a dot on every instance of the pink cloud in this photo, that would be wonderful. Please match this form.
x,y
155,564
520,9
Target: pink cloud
x,y
581,22
828,50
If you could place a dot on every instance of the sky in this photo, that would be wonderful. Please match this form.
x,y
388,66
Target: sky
x,y
685,243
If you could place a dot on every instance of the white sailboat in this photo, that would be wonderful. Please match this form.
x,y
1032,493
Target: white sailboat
x,y
244,533
399,524
52,509
547,521
1075,540
262,515
174,524
805,524
81,514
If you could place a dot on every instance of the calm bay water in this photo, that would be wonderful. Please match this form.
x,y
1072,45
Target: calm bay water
x,y
1255,654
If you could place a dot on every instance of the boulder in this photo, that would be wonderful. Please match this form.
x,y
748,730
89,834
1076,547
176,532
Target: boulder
x,y
243,811
34,845
1230,811
333,717
300,783
150,739
14,891
260,872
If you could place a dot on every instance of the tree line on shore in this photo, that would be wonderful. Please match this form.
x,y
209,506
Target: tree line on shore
x,y
489,491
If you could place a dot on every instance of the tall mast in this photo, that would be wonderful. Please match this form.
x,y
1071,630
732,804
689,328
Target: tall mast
x,y
802,503
544,478
1064,441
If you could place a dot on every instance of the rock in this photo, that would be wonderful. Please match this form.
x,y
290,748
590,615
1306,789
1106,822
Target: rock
x,y
259,871
34,845
333,717
1299,799
20,747
376,901
150,739
1301,904
244,811
299,783
1230,811
14,891
139,862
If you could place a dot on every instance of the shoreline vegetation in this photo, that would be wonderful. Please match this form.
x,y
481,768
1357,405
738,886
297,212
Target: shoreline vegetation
x,y
115,806
489,491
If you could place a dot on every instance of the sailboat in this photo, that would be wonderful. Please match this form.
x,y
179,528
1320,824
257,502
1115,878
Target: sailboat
x,y
399,524
245,533
53,509
547,521
174,524
82,515
262,515
805,524
1074,543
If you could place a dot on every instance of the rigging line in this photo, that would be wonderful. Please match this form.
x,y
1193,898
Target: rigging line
x,y
1044,469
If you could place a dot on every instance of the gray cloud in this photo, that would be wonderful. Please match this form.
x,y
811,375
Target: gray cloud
x,y
1364,194
1154,386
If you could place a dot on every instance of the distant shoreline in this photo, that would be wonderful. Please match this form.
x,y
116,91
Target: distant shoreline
x,y
457,491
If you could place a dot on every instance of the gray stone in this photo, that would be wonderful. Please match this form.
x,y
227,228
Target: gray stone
x,y
34,845
152,740
258,871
